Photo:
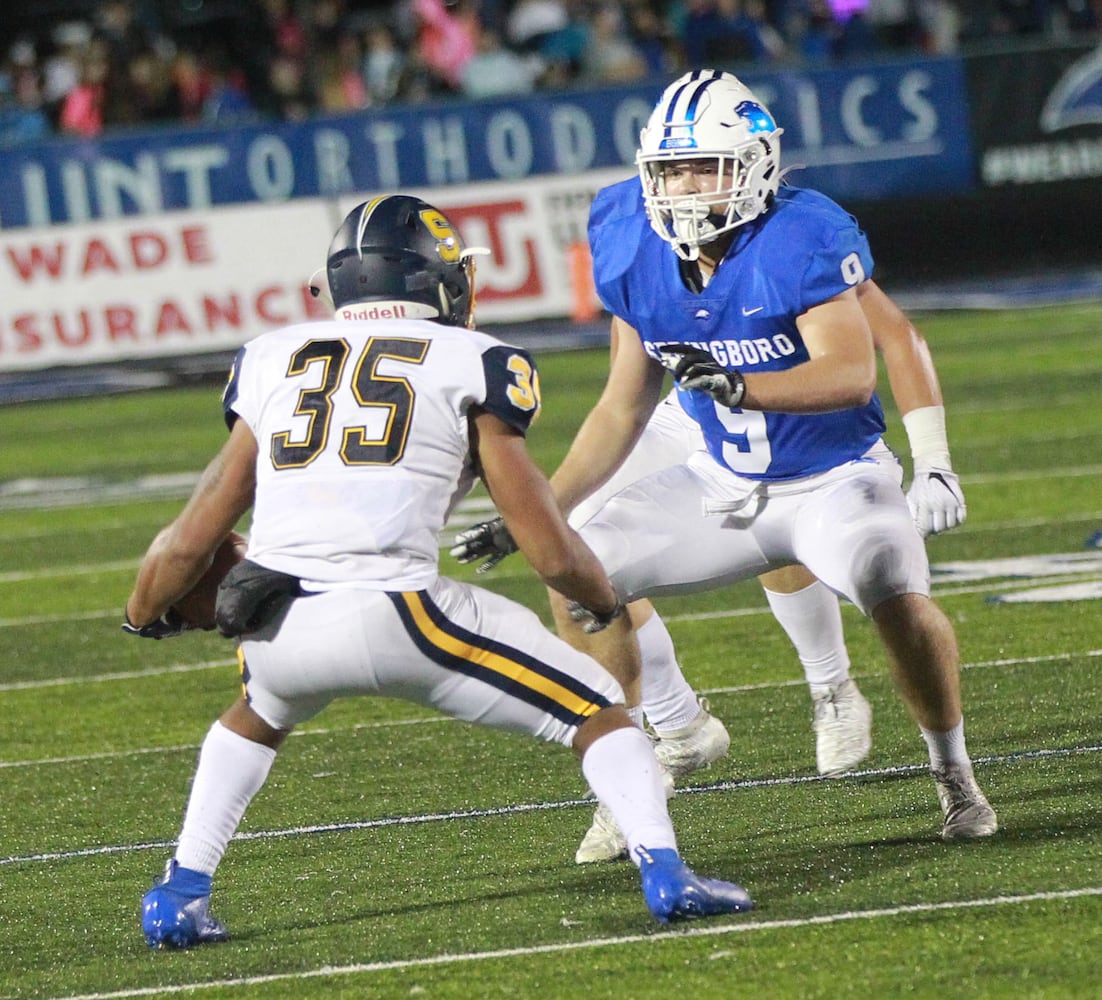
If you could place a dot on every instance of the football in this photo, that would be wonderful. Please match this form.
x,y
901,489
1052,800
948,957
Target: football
x,y
196,607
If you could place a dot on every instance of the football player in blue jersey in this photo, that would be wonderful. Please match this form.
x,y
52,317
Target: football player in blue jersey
x,y
688,736
351,440
751,292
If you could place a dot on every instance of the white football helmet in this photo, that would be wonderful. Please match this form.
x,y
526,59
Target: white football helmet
x,y
708,114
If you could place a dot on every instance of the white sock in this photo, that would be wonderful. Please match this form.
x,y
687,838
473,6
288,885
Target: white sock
x,y
947,748
668,701
231,771
812,620
625,776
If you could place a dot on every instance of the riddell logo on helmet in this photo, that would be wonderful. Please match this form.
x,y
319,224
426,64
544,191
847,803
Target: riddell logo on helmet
x,y
387,310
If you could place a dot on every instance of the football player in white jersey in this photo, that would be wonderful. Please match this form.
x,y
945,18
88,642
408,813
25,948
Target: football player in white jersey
x,y
756,311
350,441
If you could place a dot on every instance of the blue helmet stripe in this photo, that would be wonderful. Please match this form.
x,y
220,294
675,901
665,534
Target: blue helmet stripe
x,y
689,118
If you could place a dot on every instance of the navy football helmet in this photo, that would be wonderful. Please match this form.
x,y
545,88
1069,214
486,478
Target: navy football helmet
x,y
399,249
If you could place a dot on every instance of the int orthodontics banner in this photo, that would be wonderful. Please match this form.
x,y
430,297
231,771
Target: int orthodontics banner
x,y
866,131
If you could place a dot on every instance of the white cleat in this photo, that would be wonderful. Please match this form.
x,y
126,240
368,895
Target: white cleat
x,y
702,742
968,814
603,841
842,721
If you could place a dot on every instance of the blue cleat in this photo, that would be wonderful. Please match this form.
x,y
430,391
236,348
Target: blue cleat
x,y
673,891
176,911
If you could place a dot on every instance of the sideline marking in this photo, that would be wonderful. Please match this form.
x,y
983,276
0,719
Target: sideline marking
x,y
895,771
143,751
824,919
356,727
940,589
63,572
120,675
1051,595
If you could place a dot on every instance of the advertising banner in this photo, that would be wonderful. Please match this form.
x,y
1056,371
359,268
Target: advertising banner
x,y
1037,117
204,281
862,132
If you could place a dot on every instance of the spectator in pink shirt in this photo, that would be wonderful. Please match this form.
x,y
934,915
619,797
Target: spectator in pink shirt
x,y
448,38
82,110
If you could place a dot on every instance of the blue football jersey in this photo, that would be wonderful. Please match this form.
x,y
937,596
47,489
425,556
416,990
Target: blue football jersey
x,y
804,250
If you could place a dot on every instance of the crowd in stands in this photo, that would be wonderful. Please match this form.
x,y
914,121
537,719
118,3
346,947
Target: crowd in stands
x,y
113,64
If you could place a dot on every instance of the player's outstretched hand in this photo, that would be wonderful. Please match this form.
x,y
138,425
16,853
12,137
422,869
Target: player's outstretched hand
x,y
593,621
936,501
489,540
697,369
165,627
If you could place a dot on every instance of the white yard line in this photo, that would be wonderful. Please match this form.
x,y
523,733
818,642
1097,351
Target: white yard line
x,y
143,751
64,572
89,491
945,589
893,771
750,926
324,731
122,675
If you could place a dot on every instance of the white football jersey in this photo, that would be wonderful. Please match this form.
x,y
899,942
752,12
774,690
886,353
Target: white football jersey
x,y
363,442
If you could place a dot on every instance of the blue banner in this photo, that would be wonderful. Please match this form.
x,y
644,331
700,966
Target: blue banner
x,y
863,132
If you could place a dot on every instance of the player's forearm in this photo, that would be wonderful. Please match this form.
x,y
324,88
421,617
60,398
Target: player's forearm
x,y
907,360
917,394
167,572
581,578
531,512
910,369
553,549
820,385
600,447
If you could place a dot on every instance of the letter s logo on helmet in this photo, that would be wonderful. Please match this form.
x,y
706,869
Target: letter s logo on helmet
x,y
708,115
447,240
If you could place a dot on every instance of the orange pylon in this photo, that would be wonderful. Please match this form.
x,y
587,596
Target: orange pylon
x,y
584,294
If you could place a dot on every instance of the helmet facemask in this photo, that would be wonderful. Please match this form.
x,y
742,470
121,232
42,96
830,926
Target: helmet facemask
x,y
711,117
466,261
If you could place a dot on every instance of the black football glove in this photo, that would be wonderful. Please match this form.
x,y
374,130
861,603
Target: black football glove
x,y
592,621
489,539
165,627
697,369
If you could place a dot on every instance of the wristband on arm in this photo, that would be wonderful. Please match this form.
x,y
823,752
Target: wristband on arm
x,y
925,428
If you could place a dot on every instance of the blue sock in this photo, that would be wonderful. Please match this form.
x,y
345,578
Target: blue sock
x,y
660,855
189,882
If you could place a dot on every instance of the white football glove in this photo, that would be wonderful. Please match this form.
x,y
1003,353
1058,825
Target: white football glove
x,y
936,500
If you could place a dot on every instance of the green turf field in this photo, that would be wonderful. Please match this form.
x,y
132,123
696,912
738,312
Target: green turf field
x,y
396,854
